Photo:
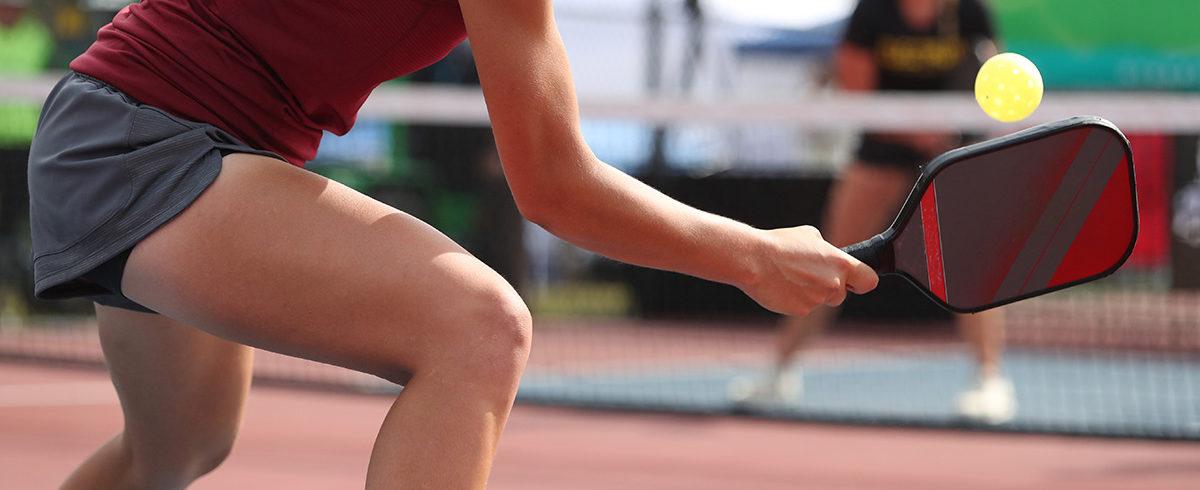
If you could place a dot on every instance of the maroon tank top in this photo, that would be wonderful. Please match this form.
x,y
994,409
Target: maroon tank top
x,y
274,73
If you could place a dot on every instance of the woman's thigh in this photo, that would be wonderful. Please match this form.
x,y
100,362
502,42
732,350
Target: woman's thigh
x,y
282,259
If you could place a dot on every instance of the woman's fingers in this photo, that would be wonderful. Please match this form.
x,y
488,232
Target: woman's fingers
x,y
860,278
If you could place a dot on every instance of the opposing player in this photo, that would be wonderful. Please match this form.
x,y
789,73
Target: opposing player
x,y
908,45
166,182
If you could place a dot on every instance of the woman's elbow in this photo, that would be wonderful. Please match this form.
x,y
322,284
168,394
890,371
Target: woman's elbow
x,y
536,206
546,190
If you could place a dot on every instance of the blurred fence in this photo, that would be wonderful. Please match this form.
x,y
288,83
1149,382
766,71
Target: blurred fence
x,y
1119,357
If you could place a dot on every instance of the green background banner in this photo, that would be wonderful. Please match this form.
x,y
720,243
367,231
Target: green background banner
x,y
1106,44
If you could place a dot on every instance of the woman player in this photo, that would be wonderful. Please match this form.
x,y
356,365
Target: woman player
x,y
166,183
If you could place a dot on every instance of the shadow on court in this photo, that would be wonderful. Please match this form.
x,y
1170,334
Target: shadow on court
x,y
51,418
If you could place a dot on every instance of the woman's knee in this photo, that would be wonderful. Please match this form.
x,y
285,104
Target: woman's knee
x,y
489,335
181,461
509,321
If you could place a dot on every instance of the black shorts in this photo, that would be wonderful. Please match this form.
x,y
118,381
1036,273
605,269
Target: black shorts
x,y
108,276
105,171
875,151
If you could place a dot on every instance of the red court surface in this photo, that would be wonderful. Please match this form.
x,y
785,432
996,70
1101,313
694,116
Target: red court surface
x,y
50,418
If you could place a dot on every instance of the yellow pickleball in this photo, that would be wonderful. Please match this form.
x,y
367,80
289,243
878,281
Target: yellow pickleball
x,y
1008,87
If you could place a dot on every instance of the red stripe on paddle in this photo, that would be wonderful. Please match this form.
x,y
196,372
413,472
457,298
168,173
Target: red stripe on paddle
x,y
933,243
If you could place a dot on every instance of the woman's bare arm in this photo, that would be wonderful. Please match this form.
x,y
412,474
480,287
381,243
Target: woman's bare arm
x,y
559,184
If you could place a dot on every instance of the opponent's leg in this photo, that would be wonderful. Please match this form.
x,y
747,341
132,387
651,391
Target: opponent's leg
x,y
984,332
181,392
991,398
861,203
279,258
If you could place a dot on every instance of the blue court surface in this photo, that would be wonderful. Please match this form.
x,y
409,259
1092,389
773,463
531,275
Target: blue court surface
x,y
1114,393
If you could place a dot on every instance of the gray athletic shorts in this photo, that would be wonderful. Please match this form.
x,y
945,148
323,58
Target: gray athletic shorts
x,y
105,171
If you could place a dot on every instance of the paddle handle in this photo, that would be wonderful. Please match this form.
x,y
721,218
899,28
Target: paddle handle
x,y
876,252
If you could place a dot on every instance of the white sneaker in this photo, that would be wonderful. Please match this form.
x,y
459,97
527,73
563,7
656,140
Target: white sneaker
x,y
992,401
765,390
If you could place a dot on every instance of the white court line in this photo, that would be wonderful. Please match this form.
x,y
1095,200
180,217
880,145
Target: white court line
x,y
57,394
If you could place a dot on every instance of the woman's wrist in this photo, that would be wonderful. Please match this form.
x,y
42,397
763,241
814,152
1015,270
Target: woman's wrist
x,y
751,260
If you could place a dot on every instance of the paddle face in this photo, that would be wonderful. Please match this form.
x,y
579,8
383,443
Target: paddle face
x,y
1019,216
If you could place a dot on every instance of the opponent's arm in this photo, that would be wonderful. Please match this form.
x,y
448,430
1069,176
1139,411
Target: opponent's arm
x,y
559,184
855,69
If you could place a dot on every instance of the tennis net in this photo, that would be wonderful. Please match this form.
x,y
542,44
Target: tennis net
x,y
1120,357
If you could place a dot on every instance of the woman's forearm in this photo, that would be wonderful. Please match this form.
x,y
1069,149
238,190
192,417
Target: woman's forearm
x,y
591,207
560,184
